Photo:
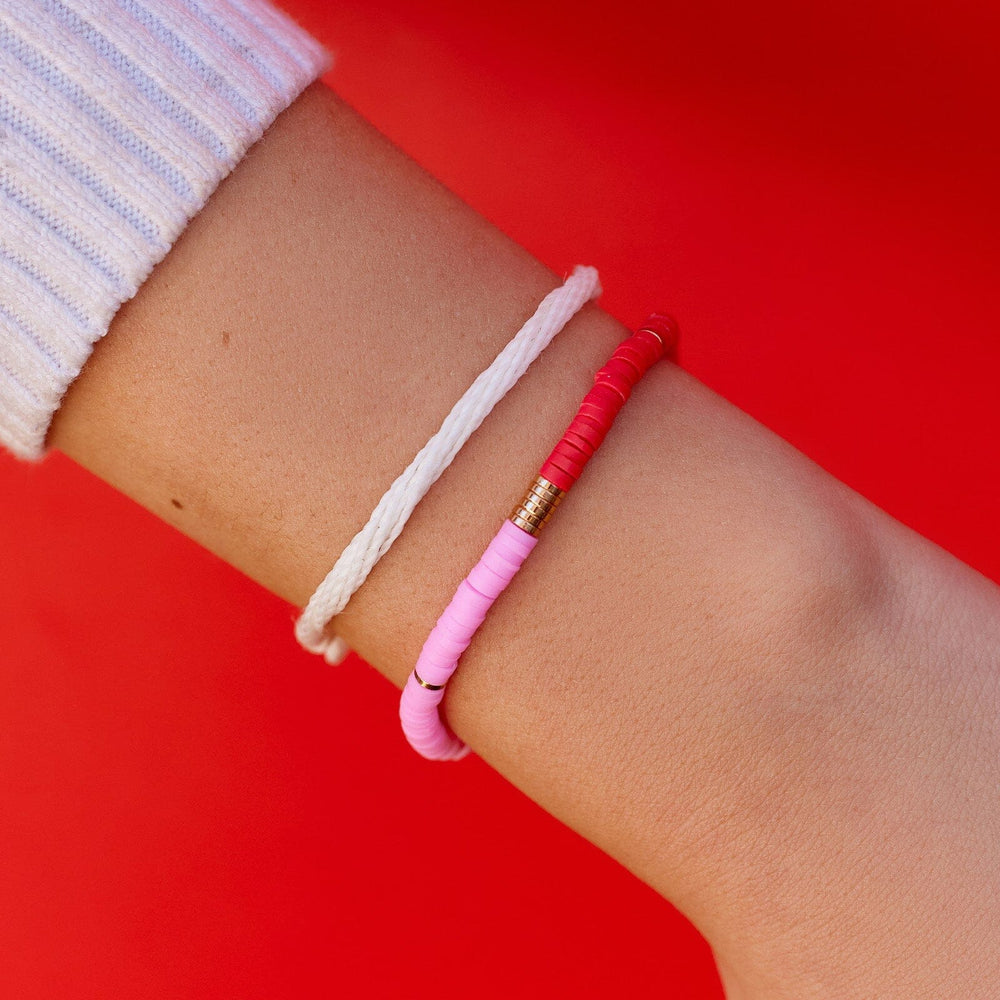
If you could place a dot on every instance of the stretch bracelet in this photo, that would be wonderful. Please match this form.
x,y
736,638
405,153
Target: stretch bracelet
x,y
419,710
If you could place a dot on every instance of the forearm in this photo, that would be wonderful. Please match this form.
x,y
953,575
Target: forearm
x,y
704,605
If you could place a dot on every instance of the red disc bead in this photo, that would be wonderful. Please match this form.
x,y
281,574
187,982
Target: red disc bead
x,y
666,327
612,386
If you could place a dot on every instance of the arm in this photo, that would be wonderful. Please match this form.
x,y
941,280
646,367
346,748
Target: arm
x,y
785,657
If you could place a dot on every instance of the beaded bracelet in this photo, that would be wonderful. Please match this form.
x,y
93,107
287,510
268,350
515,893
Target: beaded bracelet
x,y
518,535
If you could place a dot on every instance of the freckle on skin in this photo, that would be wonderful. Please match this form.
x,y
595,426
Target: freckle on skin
x,y
177,504
225,338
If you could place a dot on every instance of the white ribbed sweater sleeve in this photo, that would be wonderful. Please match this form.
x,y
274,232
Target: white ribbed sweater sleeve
x,y
118,119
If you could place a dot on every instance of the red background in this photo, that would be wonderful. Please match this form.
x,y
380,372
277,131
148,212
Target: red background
x,y
193,807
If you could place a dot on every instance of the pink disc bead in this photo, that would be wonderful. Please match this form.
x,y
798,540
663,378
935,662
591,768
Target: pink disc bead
x,y
418,706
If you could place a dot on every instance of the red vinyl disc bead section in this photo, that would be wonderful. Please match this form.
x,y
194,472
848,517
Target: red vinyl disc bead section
x,y
613,384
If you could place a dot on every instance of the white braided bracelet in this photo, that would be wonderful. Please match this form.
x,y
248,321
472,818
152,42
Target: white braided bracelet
x,y
394,509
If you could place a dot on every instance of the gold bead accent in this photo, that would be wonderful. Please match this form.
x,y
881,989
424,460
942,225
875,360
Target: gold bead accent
x,y
424,684
646,329
536,506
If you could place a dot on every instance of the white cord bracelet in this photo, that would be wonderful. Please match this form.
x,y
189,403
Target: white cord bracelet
x,y
394,509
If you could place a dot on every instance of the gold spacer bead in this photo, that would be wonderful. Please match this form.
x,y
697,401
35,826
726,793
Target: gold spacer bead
x,y
424,684
536,506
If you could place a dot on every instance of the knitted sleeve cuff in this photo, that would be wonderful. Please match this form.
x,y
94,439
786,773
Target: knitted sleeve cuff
x,y
118,119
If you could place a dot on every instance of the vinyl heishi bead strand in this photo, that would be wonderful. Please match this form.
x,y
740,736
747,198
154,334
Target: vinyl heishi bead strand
x,y
419,707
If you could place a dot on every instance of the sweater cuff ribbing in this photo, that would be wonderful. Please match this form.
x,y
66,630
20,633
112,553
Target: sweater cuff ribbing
x,y
118,119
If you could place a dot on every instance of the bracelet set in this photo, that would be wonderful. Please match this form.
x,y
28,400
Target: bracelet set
x,y
419,708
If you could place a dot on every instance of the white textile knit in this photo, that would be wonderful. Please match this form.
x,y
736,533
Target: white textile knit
x,y
118,119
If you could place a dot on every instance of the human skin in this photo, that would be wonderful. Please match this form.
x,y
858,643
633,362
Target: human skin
x,y
764,696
